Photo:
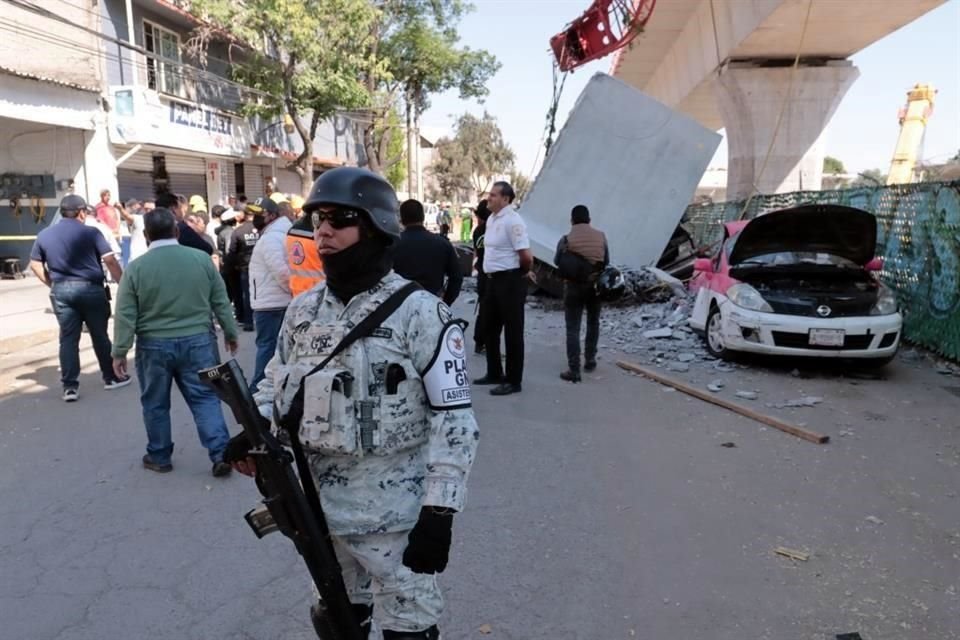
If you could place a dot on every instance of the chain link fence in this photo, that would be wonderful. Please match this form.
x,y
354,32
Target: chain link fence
x,y
918,236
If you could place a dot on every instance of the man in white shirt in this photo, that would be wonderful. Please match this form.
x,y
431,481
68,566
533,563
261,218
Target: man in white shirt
x,y
506,261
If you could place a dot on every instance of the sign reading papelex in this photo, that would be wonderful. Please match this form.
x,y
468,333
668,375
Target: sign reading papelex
x,y
200,118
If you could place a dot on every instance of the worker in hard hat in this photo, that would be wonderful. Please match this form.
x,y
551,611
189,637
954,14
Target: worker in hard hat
x,y
297,203
197,203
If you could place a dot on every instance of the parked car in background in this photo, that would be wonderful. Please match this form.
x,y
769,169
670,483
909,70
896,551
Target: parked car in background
x,y
800,282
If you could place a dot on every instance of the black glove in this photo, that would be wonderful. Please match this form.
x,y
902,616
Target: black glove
x,y
238,448
429,544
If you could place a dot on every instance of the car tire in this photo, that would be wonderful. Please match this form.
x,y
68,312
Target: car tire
x,y
713,336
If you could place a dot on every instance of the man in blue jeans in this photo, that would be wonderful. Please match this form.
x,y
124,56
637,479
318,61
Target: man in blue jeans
x,y
165,300
269,280
66,257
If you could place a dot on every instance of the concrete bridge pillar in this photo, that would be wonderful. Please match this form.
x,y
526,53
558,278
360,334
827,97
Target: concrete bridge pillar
x,y
750,97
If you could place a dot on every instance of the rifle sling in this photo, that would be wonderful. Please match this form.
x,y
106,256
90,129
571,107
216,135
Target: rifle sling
x,y
291,421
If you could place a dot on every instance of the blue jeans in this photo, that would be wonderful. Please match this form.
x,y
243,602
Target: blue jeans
x,y
162,361
267,324
124,251
76,302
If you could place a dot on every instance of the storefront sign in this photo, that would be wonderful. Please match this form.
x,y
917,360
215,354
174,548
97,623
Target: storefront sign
x,y
200,118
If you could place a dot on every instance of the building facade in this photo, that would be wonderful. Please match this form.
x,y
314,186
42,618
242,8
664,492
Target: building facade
x,y
109,97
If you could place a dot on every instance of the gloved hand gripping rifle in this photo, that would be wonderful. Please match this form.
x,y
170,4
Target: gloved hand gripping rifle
x,y
287,507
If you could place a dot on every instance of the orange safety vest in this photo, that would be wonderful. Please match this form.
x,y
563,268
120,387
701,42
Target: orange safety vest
x,y
306,267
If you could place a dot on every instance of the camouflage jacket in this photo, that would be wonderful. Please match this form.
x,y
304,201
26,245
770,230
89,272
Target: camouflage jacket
x,y
387,424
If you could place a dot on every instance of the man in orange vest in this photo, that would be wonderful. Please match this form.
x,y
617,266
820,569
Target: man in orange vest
x,y
306,267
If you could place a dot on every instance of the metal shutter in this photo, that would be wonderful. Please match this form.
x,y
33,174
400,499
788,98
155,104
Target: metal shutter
x,y
188,184
253,180
134,184
185,164
140,161
288,182
231,179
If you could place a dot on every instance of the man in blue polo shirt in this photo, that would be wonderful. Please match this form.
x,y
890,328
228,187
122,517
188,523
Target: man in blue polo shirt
x,y
66,257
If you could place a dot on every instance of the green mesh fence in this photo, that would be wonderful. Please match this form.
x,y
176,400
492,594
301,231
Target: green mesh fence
x,y
918,236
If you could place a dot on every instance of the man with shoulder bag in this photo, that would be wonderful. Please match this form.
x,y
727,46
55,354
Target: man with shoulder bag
x,y
581,256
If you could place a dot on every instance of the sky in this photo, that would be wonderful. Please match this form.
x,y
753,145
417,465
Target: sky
x,y
862,133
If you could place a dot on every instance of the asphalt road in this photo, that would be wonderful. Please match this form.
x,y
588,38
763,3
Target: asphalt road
x,y
607,509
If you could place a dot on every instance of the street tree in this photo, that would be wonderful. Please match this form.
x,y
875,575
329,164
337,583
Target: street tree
x,y
473,157
414,46
833,166
306,58
521,184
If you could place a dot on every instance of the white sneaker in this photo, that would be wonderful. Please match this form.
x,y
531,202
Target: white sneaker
x,y
116,383
70,395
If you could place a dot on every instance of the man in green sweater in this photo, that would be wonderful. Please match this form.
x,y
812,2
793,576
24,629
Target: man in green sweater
x,y
165,301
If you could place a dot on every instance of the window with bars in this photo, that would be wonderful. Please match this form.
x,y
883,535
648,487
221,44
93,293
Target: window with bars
x,y
163,67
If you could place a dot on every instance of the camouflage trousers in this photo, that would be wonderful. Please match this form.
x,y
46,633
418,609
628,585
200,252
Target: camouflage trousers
x,y
374,573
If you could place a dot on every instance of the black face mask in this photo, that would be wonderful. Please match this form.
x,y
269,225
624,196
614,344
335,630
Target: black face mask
x,y
259,222
358,267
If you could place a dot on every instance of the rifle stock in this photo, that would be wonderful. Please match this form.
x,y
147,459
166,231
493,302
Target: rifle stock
x,y
286,507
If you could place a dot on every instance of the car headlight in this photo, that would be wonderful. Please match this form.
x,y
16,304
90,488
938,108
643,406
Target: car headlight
x,y
886,302
743,295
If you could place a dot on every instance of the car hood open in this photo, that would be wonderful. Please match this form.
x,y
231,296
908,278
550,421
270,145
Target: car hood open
x,y
841,231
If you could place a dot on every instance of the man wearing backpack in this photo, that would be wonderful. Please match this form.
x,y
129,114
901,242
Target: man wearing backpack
x,y
581,256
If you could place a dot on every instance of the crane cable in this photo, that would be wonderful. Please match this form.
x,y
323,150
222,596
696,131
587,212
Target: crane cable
x,y
551,127
783,108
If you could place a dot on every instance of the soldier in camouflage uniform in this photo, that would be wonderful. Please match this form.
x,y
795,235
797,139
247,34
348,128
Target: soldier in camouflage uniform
x,y
387,424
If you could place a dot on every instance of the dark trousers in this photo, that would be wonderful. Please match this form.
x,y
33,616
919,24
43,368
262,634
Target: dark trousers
x,y
242,301
505,298
75,303
267,323
480,324
576,298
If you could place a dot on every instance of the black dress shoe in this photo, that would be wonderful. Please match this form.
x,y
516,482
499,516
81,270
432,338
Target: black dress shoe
x,y
487,380
570,376
505,389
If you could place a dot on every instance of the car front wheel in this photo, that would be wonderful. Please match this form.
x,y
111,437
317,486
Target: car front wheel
x,y
714,336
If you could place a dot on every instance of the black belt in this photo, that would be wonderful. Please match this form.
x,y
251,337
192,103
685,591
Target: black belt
x,y
503,274
77,280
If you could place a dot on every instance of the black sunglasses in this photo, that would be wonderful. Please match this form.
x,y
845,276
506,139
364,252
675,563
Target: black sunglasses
x,y
338,218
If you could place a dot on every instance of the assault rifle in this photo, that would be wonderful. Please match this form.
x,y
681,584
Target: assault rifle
x,y
288,507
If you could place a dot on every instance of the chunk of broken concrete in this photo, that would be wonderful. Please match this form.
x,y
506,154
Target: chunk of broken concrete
x,y
747,395
679,367
686,357
805,401
664,332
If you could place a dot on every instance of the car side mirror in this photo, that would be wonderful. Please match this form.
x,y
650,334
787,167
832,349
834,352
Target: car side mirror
x,y
703,264
874,265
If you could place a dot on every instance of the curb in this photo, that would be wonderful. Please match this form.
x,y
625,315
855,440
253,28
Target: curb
x,y
9,346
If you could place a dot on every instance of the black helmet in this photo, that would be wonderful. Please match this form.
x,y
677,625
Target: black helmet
x,y
73,203
358,189
610,284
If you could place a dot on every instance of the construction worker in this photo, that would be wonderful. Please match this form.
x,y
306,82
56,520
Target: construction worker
x,y
306,265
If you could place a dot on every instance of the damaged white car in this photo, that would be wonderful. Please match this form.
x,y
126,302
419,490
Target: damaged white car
x,y
798,282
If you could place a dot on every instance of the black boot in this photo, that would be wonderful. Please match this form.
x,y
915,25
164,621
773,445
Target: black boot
x,y
433,633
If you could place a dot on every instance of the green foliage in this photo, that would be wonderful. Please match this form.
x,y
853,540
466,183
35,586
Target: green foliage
x,y
521,184
307,57
470,159
833,166
397,173
870,178
416,47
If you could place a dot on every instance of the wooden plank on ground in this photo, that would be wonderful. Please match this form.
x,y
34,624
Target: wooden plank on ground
x,y
706,396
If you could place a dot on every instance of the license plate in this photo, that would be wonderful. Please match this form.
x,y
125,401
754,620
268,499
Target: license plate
x,y
827,337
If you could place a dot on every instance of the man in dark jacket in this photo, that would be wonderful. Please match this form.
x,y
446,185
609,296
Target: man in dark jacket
x,y
587,250
224,233
479,327
188,237
242,241
425,257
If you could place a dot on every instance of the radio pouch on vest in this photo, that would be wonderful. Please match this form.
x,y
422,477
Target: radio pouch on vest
x,y
291,421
